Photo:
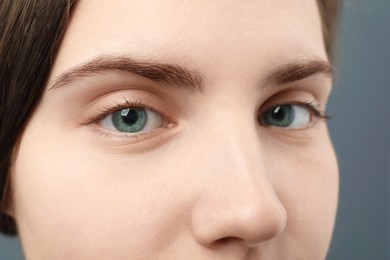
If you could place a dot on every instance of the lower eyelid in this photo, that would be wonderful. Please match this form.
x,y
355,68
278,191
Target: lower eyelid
x,y
121,135
154,120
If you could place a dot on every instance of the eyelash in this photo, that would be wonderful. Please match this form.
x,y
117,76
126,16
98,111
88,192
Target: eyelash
x,y
316,113
107,110
315,110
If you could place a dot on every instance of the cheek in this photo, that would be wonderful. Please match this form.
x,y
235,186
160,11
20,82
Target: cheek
x,y
308,187
76,201
72,199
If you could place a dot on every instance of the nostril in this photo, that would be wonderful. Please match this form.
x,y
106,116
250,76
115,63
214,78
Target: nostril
x,y
240,223
227,240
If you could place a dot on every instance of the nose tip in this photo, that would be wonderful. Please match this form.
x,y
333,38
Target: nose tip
x,y
236,199
254,224
249,221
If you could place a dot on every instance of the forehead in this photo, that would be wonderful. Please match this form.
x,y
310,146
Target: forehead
x,y
204,34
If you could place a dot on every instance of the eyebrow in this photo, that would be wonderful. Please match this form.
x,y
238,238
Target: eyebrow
x,y
177,76
298,70
169,74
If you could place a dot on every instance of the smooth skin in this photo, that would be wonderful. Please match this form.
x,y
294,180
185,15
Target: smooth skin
x,y
207,179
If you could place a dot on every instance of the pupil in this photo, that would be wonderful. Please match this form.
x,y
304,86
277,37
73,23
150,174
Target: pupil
x,y
279,113
129,116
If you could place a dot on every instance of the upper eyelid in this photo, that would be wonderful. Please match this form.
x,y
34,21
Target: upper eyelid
x,y
128,100
94,122
318,110
315,108
109,109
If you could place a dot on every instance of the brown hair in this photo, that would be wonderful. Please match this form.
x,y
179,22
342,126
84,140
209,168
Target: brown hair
x,y
30,32
329,12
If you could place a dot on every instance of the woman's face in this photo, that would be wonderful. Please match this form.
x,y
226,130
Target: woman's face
x,y
181,129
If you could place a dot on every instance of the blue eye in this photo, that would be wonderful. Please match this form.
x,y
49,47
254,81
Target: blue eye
x,y
132,120
286,116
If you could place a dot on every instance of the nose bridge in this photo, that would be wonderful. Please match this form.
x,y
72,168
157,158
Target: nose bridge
x,y
238,199
232,133
232,144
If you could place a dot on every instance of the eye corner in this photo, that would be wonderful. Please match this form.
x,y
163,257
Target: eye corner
x,y
292,116
109,122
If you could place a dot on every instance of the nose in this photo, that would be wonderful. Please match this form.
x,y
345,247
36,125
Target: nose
x,y
237,199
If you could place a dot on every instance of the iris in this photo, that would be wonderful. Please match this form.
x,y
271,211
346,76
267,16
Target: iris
x,y
130,120
279,116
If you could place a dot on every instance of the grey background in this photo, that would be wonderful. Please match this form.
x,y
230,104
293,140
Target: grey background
x,y
360,129
361,132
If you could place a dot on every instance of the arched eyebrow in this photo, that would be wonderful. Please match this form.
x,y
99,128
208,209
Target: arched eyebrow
x,y
298,70
168,74
171,75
